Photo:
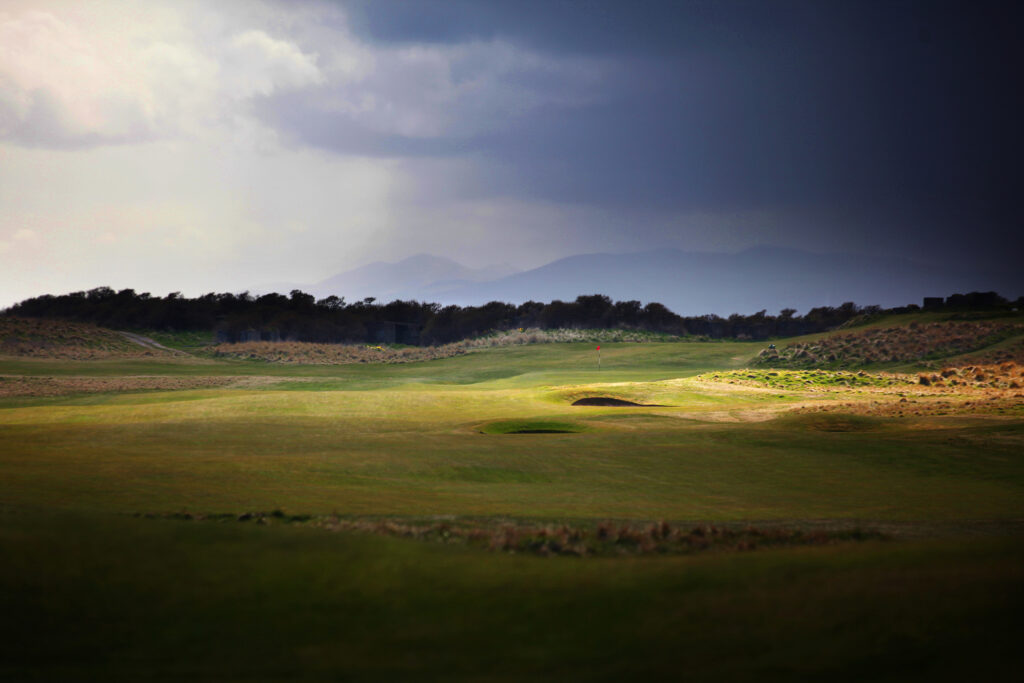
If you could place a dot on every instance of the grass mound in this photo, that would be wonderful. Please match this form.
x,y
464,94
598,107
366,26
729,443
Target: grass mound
x,y
1011,351
531,427
910,343
58,339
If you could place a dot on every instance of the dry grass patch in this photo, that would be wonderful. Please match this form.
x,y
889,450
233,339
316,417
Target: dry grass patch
x,y
808,380
1008,375
917,405
18,386
973,389
340,354
604,539
306,353
534,335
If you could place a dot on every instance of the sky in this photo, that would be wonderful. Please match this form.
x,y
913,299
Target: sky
x,y
213,146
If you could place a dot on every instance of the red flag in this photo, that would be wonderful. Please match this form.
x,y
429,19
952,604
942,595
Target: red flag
x,y
598,348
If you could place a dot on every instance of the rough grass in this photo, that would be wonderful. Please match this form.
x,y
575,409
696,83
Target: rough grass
x,y
807,379
306,353
978,390
55,339
917,406
1010,351
602,539
893,345
533,335
1007,375
20,386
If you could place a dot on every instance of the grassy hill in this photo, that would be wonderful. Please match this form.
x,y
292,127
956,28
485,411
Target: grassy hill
x,y
906,341
43,338
320,522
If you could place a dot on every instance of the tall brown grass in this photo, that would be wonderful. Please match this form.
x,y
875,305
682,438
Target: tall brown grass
x,y
306,353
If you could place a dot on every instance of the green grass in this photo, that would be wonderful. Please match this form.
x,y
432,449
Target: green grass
x,y
394,440
89,598
87,591
563,362
190,342
320,452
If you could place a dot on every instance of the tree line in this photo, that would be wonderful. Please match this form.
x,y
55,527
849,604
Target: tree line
x,y
301,317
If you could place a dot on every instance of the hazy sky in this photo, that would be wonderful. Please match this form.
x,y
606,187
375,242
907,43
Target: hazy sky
x,y
202,146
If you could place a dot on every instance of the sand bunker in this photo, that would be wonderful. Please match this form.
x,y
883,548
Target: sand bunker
x,y
528,426
613,402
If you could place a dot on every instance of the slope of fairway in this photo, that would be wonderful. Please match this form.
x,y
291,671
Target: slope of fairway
x,y
406,440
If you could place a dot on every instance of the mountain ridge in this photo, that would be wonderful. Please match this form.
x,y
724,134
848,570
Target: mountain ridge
x,y
688,282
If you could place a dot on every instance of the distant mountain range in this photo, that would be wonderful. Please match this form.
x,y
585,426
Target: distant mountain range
x,y
689,283
421,277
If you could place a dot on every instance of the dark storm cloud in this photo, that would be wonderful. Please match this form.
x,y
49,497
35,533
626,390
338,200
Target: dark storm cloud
x,y
860,107
594,26
740,102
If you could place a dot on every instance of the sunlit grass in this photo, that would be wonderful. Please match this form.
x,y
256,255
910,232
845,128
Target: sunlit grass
x,y
88,591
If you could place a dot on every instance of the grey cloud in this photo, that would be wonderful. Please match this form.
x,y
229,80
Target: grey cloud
x,y
595,27
744,106
895,121
875,126
43,122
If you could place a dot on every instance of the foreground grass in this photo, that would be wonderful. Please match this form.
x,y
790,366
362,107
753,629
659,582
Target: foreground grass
x,y
124,599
